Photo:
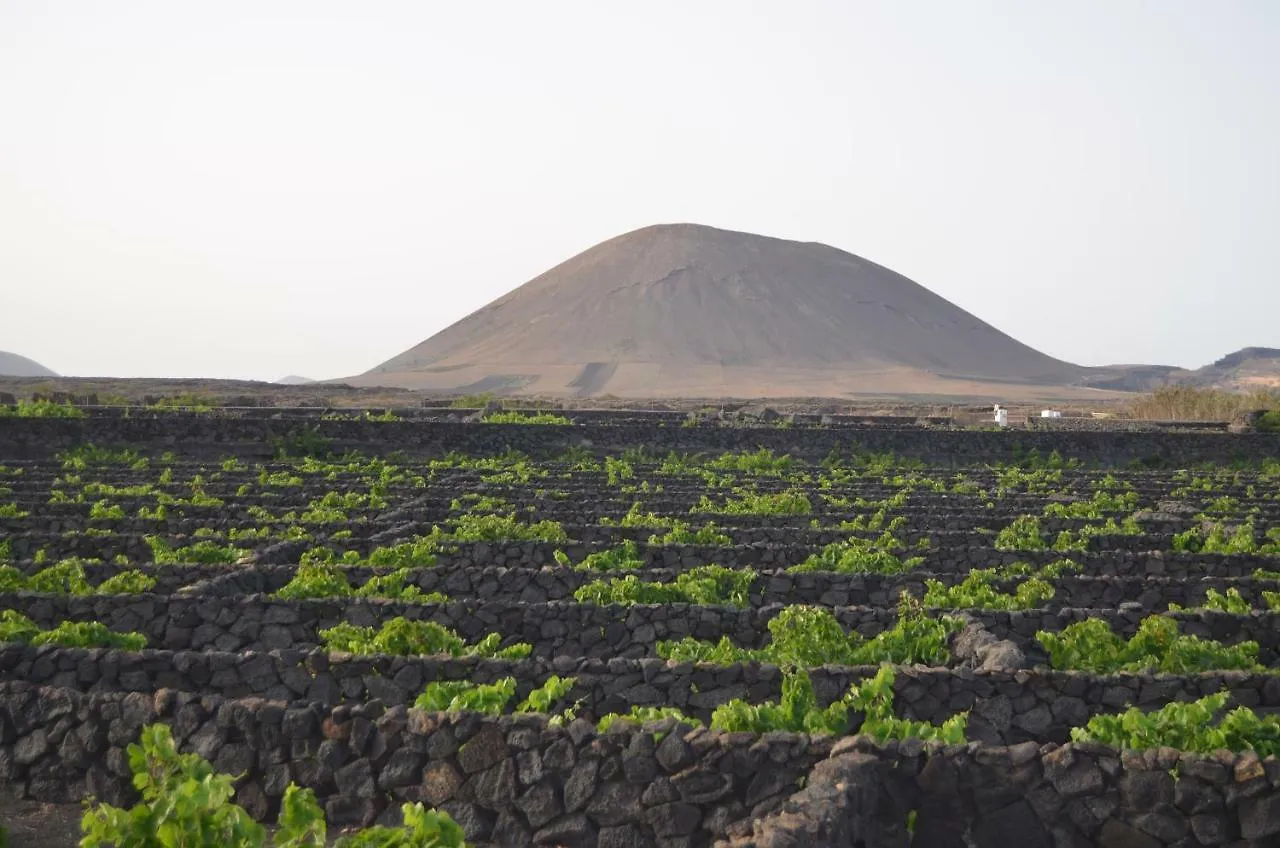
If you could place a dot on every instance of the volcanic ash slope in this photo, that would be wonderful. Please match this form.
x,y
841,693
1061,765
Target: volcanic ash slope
x,y
691,310
13,365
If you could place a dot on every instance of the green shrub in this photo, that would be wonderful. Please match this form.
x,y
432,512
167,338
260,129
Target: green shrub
x,y
1217,538
504,528
452,696
637,517
1024,534
16,627
1189,727
860,556
708,584
185,802
419,551
645,715
754,503
803,636
1097,507
328,580
516,417
406,637
762,461
129,582
798,712
625,557
41,409
681,534
203,552
1157,647
67,577
447,696
481,504
977,592
106,511
1231,602
479,401
874,697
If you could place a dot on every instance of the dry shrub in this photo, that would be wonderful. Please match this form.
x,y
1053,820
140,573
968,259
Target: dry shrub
x,y
1190,403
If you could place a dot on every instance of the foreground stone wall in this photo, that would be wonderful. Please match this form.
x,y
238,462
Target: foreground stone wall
x,y
509,781
520,781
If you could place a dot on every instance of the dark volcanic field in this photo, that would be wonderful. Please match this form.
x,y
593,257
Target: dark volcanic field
x,y
515,526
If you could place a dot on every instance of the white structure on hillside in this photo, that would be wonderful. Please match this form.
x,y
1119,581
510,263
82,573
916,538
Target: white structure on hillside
x,y
1002,416
1050,413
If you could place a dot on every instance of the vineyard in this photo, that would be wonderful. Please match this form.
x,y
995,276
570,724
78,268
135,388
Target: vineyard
x,y
271,627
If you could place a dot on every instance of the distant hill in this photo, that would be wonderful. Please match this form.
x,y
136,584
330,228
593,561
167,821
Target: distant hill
x,y
1245,370
13,365
294,380
688,310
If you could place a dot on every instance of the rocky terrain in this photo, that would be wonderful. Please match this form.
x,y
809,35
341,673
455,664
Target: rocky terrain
x,y
632,628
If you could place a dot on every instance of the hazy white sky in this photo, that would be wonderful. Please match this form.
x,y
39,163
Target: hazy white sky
x,y
251,189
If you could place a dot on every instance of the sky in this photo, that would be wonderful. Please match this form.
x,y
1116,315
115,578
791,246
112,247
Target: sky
x,y
255,189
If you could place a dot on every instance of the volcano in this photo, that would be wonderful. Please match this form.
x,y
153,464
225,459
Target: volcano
x,y
694,311
13,365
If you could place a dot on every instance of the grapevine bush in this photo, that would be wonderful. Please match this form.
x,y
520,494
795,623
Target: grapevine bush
x,y
16,627
1156,647
707,584
977,592
860,556
185,802
798,712
447,696
405,637
806,636
68,578
1187,727
327,580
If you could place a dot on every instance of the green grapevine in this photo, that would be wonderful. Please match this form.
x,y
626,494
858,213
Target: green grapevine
x,y
405,637
1157,646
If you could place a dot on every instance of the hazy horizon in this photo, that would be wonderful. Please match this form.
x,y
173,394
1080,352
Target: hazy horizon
x,y
251,190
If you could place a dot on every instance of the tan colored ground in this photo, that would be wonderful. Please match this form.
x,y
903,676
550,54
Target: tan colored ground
x,y
652,382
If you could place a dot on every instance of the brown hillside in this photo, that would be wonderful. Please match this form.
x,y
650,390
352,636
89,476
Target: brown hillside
x,y
1248,369
691,310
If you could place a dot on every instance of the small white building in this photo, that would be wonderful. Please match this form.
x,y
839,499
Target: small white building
x,y
1050,413
1002,416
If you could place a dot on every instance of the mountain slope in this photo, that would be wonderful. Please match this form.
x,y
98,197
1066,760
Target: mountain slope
x,y
1247,369
688,309
13,365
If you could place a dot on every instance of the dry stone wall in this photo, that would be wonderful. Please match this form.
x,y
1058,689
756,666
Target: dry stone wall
x,y
239,675
212,435
520,781
1005,706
